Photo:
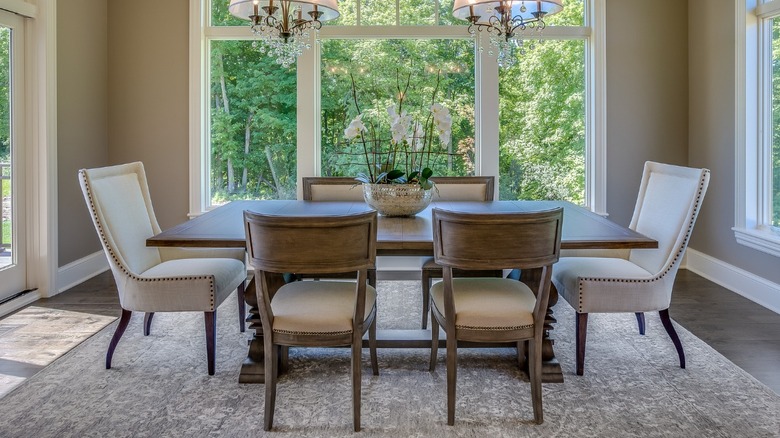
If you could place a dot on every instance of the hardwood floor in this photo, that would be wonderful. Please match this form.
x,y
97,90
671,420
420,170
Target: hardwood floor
x,y
744,332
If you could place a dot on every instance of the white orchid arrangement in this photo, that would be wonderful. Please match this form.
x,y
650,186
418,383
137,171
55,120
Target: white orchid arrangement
x,y
411,143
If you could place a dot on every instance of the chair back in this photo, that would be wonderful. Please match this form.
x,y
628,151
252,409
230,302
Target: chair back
x,y
332,189
311,244
463,188
523,240
121,209
666,209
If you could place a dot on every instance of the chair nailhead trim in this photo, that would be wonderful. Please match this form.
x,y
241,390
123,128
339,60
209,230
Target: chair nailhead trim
x,y
494,329
677,256
291,332
118,263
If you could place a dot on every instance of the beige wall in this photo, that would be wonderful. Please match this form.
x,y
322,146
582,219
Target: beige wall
x,y
82,106
712,134
647,95
148,104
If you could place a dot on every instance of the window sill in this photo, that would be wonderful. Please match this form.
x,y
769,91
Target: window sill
x,y
764,241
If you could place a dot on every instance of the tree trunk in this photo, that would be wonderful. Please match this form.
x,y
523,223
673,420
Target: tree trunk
x,y
247,140
269,157
231,176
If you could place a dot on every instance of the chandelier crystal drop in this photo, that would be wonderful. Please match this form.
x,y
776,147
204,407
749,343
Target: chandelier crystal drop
x,y
283,26
506,23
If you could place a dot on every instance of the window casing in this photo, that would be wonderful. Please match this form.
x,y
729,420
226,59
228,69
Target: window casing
x,y
486,91
756,129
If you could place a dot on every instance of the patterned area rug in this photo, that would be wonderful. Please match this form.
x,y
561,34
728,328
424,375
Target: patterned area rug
x,y
159,387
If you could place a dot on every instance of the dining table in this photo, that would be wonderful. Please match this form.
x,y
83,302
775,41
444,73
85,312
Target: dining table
x,y
223,227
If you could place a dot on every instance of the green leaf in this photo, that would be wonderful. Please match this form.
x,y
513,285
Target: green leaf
x,y
427,173
395,174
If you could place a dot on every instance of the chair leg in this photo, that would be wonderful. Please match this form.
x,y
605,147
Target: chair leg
x,y
434,343
148,323
535,376
357,349
581,333
241,306
211,339
452,370
284,358
667,322
426,297
522,354
270,381
640,319
372,347
120,330
371,273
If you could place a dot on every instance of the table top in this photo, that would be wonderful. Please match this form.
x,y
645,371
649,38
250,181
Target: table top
x,y
223,227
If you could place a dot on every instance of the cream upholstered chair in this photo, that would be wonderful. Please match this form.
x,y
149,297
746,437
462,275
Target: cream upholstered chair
x,y
155,279
313,313
455,188
493,309
669,200
334,189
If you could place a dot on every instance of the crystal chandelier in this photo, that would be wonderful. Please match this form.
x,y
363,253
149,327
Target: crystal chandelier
x,y
283,26
502,21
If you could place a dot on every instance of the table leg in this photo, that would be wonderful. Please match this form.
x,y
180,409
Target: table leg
x,y
551,368
253,368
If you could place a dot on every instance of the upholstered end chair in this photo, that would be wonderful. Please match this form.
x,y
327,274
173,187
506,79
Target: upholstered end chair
x,y
313,313
155,279
493,309
639,280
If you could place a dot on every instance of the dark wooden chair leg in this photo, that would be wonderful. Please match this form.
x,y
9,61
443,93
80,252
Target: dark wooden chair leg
x,y
148,323
372,277
522,354
124,320
452,373
241,306
284,358
581,333
211,339
270,382
357,350
426,297
535,376
372,347
667,322
640,319
434,343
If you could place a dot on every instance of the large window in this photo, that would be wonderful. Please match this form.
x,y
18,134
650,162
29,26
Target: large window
x,y
535,125
758,127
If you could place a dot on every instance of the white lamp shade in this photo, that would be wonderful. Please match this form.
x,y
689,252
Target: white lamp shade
x,y
244,8
484,9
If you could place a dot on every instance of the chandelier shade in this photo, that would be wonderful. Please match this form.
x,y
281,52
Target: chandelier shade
x,y
527,10
328,9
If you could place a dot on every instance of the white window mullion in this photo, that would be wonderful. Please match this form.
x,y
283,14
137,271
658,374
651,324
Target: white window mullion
x,y
308,115
486,118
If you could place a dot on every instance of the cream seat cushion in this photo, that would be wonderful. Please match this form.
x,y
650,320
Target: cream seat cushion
x,y
317,307
488,303
185,284
603,284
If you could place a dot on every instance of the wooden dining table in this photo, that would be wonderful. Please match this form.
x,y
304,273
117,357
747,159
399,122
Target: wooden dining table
x,y
223,227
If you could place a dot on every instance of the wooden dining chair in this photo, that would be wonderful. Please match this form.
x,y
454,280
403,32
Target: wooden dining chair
x,y
666,209
455,188
493,309
333,189
314,313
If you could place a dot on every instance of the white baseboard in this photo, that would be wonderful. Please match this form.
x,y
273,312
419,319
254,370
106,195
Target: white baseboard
x,y
18,303
81,270
740,281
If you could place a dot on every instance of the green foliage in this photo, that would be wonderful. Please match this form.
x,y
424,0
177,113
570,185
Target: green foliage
x,y
5,103
6,224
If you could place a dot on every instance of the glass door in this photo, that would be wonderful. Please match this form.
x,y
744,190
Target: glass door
x,y
13,271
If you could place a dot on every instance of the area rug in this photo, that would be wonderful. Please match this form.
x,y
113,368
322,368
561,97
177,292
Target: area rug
x,y
159,387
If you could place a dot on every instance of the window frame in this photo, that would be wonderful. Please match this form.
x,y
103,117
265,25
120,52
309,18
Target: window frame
x,y
753,172
593,32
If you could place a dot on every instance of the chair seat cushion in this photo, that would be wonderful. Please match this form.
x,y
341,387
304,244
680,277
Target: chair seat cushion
x,y
227,273
599,284
317,307
488,303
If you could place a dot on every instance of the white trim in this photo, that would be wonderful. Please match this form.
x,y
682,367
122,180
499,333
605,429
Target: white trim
x,y
308,116
19,7
764,241
81,270
18,303
747,284
596,113
41,55
197,115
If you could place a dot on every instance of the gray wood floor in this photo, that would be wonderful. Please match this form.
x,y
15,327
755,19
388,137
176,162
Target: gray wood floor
x,y
744,332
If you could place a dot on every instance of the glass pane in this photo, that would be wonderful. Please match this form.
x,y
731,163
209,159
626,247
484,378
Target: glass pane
x,y
253,124
542,124
417,12
347,14
221,17
377,12
445,14
573,14
6,215
776,123
380,68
